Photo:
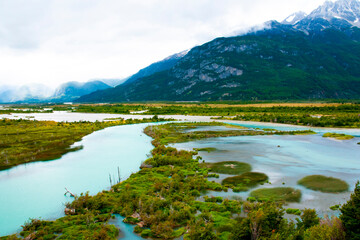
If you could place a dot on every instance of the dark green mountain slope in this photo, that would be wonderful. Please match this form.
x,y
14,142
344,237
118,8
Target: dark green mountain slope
x,y
277,63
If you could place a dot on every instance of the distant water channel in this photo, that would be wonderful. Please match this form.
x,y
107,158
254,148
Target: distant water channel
x,y
287,159
37,189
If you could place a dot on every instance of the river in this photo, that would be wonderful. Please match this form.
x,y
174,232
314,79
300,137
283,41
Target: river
x,y
37,189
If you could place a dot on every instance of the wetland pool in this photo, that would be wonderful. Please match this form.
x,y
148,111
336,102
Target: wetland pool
x,y
288,158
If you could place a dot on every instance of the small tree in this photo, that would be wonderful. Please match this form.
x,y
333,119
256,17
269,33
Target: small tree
x,y
309,218
350,214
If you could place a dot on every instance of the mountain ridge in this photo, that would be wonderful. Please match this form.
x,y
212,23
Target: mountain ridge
x,y
40,93
306,58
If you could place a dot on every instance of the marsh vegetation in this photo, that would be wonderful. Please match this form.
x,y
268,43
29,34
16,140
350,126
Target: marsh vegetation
x,y
245,181
229,167
324,184
338,136
281,194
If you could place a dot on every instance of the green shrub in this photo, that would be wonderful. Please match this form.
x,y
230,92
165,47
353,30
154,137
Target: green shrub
x,y
350,214
335,207
146,233
294,211
213,199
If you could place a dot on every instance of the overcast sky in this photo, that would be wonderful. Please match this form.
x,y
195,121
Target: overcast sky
x,y
56,41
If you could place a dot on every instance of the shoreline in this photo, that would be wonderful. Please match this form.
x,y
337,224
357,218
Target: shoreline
x,y
60,116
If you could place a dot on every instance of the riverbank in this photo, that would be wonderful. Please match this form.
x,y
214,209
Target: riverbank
x,y
25,141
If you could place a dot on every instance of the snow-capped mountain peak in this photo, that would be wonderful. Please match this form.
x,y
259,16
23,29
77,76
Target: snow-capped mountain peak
x,y
348,10
294,18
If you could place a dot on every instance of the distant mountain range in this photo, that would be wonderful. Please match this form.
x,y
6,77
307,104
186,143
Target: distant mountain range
x,y
311,56
38,93
73,90
70,91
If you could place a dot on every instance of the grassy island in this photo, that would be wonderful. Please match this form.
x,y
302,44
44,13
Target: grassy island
x,y
229,167
209,149
324,184
285,194
245,181
338,136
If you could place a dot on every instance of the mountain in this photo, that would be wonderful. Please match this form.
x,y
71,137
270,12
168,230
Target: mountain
x,y
313,56
347,10
39,93
36,92
294,18
163,65
112,82
341,14
73,90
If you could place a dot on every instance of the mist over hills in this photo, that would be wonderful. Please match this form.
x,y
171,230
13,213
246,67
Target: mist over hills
x,y
39,93
311,56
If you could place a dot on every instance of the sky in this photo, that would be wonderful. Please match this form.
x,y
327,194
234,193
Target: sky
x,y
55,41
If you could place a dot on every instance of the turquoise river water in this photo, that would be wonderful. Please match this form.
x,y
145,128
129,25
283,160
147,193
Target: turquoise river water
x,y
37,189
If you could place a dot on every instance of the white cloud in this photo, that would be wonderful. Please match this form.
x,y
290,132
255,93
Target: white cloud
x,y
55,41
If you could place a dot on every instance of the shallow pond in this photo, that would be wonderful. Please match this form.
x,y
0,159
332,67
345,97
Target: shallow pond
x,y
37,189
297,156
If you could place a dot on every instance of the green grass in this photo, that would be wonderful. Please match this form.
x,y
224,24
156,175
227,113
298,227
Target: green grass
x,y
338,136
285,194
269,129
209,149
229,167
246,180
324,184
293,211
335,207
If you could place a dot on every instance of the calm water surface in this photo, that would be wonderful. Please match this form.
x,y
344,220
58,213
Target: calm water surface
x,y
37,189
